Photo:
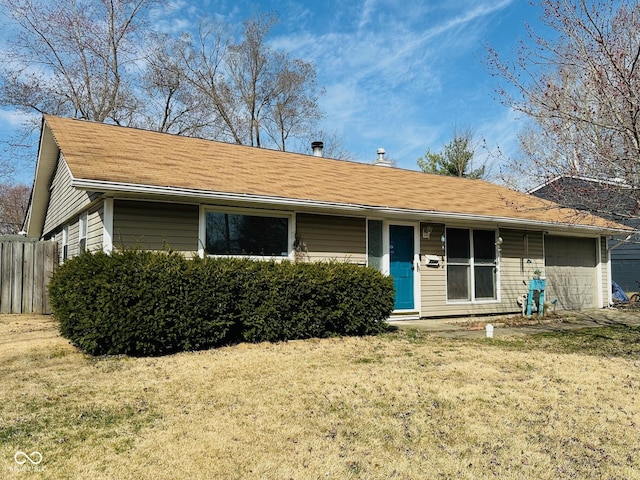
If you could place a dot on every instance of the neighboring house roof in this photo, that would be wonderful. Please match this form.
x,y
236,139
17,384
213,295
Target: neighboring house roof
x,y
103,157
609,199
577,178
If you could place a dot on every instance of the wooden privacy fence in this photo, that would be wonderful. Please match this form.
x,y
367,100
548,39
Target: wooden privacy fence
x,y
26,266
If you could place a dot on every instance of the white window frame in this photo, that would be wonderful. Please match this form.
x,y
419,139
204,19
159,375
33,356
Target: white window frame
x,y
471,265
383,261
83,227
202,234
65,243
107,226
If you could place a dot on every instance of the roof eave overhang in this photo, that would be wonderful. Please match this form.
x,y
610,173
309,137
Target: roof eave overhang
x,y
370,210
48,153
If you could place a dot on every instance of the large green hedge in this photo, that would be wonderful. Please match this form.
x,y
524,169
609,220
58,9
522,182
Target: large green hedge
x,y
148,303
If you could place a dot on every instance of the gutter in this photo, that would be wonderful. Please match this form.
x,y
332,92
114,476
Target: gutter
x,y
425,215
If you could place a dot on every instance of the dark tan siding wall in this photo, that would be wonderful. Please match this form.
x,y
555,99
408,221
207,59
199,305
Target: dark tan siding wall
x,y
155,226
327,237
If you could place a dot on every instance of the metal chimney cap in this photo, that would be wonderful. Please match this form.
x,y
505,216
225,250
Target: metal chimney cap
x,y
381,151
317,148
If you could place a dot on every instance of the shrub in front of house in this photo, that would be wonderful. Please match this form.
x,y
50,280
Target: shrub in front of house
x,y
140,303
148,303
285,301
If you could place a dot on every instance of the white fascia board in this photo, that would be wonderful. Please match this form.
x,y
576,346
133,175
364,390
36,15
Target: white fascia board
x,y
542,185
48,154
581,178
419,215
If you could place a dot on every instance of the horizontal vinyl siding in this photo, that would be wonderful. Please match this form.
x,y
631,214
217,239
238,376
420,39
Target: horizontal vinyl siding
x,y
94,228
433,286
522,253
94,234
517,264
155,226
625,266
328,237
74,238
625,261
627,252
65,201
606,281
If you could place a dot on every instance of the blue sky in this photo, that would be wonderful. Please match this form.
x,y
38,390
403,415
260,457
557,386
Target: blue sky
x,y
398,74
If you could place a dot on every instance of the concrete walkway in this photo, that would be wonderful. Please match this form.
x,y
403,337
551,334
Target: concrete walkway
x,y
475,327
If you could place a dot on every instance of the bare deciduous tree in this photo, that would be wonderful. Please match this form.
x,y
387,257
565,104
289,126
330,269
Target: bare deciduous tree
x,y
254,92
581,89
252,75
14,201
200,61
73,57
173,104
293,107
101,60
6,168
333,145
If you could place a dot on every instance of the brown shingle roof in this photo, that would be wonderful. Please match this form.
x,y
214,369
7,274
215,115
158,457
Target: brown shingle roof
x,y
107,153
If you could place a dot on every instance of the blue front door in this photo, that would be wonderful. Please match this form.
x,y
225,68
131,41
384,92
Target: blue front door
x,y
401,264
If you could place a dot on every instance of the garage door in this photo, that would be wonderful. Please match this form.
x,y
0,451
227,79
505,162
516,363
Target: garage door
x,y
570,267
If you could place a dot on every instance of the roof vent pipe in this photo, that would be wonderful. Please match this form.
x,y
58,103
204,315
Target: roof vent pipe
x,y
317,148
381,161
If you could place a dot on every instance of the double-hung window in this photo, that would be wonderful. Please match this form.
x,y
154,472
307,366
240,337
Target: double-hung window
x,y
230,233
471,264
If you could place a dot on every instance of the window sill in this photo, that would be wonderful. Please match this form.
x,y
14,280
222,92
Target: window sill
x,y
473,302
257,258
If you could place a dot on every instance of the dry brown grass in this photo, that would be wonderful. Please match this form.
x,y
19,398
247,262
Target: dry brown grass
x,y
396,406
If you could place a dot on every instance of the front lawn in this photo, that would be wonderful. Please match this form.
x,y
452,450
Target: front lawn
x,y
400,405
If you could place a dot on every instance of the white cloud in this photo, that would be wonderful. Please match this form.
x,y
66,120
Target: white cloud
x,y
398,75
467,16
367,11
15,119
387,66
